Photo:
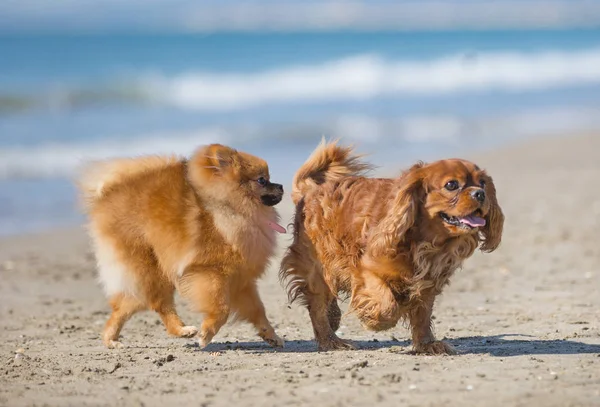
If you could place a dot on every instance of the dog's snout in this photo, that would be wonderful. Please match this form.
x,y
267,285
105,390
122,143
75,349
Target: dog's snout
x,y
278,187
478,195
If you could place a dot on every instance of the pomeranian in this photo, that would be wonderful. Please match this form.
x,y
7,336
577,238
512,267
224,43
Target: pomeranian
x,y
204,226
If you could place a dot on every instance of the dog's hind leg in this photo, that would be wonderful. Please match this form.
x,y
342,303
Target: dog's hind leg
x,y
133,280
123,307
174,324
303,274
319,300
159,294
334,314
207,291
118,281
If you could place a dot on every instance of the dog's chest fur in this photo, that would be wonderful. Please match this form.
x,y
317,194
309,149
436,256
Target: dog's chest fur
x,y
434,265
251,236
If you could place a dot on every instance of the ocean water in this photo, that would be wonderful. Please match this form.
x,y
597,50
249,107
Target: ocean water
x,y
398,96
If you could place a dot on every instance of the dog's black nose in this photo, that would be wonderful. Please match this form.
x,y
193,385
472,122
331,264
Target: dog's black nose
x,y
278,186
478,195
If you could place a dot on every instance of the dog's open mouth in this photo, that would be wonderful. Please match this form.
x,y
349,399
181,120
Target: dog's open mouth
x,y
471,221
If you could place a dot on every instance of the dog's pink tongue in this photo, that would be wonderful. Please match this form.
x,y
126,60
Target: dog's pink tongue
x,y
473,221
276,227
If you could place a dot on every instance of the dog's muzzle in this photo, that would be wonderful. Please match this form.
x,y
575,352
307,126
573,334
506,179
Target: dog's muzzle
x,y
274,196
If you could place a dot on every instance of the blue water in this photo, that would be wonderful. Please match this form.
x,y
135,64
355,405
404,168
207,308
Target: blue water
x,y
401,96
42,60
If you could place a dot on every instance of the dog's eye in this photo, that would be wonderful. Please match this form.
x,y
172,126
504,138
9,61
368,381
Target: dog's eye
x,y
451,185
482,183
262,181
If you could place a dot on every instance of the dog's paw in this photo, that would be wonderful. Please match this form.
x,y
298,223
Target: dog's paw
x,y
274,340
435,348
334,343
187,331
114,345
205,338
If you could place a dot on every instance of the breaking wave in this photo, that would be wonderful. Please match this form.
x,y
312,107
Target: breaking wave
x,y
356,78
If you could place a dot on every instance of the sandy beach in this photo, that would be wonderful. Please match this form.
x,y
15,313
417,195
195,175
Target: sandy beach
x,y
525,319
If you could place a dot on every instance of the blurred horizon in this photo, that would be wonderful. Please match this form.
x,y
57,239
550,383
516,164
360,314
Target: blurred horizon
x,y
209,16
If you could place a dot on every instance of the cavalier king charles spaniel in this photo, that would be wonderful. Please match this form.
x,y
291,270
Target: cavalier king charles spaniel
x,y
391,245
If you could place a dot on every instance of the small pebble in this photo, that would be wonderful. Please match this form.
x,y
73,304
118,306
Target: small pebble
x,y
114,369
504,271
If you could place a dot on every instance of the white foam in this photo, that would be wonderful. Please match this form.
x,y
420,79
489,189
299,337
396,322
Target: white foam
x,y
369,76
356,78
54,160
381,134
449,129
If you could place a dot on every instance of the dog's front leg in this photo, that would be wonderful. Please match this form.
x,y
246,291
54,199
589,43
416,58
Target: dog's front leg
x,y
421,325
249,307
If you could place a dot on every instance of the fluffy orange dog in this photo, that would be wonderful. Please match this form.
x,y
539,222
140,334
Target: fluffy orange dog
x,y
391,244
205,226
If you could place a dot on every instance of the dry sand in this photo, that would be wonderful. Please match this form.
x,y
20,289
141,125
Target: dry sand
x,y
525,319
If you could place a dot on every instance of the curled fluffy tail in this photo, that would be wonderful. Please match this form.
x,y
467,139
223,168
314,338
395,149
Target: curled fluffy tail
x,y
329,162
97,177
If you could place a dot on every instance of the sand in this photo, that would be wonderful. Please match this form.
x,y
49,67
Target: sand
x,y
525,319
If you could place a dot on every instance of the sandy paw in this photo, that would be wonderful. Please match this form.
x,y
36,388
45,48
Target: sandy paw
x,y
188,331
114,345
335,344
204,339
275,341
435,348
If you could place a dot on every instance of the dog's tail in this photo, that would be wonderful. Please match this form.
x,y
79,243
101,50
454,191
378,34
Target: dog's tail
x,y
329,162
98,177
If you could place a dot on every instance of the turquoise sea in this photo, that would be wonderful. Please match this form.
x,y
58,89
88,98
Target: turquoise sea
x,y
399,96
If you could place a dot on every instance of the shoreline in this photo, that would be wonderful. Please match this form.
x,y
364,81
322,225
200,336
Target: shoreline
x,y
385,171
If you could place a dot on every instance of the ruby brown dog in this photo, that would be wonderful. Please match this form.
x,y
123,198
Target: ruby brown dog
x,y
204,226
390,244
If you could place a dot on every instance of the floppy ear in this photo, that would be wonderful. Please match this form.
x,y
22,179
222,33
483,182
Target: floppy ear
x,y
400,216
492,231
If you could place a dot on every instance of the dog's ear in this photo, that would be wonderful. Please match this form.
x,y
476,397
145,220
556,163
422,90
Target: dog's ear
x,y
218,157
491,233
401,215
211,161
